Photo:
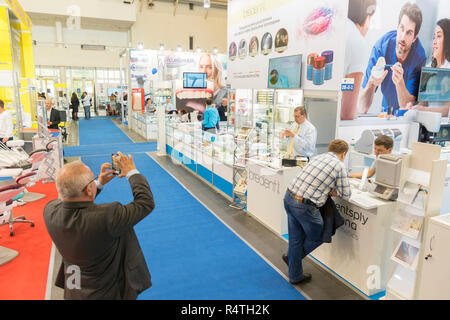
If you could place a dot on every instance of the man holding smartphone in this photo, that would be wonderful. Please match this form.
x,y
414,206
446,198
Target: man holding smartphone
x,y
101,255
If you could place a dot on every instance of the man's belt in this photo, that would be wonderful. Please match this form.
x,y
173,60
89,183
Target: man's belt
x,y
300,199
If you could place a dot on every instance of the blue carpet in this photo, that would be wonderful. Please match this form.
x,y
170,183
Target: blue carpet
x,y
102,149
190,253
100,131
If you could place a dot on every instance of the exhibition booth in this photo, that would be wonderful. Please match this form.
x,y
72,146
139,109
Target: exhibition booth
x,y
17,73
396,223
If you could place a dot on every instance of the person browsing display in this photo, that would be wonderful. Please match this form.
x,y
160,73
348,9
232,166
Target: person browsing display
x,y
383,145
325,175
402,53
211,118
302,135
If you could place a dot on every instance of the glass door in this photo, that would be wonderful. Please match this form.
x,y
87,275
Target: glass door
x,y
81,85
47,86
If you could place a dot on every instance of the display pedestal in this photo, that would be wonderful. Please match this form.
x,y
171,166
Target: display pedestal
x,y
265,194
360,249
161,119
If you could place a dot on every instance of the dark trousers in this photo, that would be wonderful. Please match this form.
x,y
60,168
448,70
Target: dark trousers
x,y
305,225
75,114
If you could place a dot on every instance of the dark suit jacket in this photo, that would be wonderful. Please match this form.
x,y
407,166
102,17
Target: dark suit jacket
x,y
55,119
332,220
221,109
101,241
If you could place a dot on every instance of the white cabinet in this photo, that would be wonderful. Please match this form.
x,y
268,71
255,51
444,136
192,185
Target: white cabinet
x,y
435,280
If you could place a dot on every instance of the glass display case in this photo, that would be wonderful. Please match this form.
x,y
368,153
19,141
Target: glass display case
x,y
145,125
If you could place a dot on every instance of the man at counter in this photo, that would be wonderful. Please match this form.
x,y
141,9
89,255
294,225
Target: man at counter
x,y
404,53
53,116
223,109
383,145
324,175
211,118
302,135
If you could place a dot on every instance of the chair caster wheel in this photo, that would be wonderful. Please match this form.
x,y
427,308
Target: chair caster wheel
x,y
11,234
32,225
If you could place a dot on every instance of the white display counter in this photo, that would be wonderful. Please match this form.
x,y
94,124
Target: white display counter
x,y
265,194
360,249
145,125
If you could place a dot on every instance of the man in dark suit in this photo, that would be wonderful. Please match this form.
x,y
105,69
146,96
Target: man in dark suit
x,y
223,109
102,258
53,116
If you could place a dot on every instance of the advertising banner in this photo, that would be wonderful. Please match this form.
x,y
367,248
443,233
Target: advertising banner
x,y
149,68
267,39
387,45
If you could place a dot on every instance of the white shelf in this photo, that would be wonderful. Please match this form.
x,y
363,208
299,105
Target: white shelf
x,y
405,234
402,282
418,209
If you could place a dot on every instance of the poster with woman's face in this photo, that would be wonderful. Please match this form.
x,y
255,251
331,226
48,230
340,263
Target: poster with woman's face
x,y
193,99
388,43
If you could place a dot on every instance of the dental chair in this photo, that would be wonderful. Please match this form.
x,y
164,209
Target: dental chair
x,y
26,170
8,195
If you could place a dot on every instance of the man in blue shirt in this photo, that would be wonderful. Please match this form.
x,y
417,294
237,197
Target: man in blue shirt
x,y
403,50
211,118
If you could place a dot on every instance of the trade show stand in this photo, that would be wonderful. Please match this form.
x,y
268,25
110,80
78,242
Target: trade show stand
x,y
144,124
359,252
209,157
265,193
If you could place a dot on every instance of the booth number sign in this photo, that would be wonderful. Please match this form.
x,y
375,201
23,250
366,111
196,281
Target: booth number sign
x,y
348,84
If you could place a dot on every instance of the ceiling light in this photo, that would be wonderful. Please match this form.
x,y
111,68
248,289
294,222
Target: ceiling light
x,y
161,47
199,49
206,4
179,49
215,50
140,45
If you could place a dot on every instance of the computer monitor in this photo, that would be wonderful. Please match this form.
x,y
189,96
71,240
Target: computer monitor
x,y
194,80
434,85
285,72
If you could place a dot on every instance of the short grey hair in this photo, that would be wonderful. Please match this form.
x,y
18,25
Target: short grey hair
x,y
71,179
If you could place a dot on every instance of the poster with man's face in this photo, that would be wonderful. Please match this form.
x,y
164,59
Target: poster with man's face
x,y
387,45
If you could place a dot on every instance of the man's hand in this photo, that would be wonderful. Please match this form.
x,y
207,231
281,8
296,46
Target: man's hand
x,y
125,163
333,193
289,133
376,82
4,140
106,174
397,75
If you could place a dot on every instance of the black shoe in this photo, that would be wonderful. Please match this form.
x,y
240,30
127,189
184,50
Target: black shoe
x,y
285,259
306,277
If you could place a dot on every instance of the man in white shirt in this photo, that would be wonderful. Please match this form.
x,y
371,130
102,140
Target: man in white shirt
x,y
170,108
382,145
6,124
357,52
302,135
86,101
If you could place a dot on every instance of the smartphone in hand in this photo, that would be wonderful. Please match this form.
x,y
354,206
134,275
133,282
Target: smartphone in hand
x,y
114,164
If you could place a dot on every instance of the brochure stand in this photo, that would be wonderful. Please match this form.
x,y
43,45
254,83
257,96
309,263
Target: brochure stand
x,y
420,197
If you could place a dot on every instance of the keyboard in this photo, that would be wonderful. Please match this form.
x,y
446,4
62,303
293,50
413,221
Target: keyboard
x,y
364,200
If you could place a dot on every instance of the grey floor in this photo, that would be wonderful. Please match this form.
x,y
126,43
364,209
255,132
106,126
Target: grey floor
x,y
324,285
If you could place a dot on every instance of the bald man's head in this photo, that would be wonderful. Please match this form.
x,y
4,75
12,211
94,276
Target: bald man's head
x,y
72,179
48,103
